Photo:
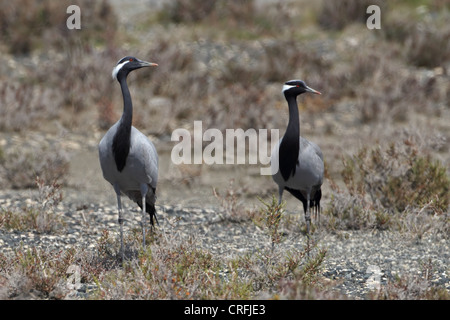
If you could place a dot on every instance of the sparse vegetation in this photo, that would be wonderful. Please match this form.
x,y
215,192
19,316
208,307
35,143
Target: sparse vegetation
x,y
397,178
40,215
385,185
170,268
19,167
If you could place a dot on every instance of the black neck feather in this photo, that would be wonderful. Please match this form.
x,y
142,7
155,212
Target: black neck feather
x,y
289,147
121,142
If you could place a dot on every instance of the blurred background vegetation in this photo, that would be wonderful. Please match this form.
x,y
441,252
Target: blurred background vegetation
x,y
221,61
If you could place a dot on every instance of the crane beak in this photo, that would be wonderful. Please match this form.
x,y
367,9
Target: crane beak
x,y
147,64
308,89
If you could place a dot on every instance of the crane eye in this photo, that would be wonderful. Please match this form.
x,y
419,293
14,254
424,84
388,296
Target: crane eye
x,y
131,59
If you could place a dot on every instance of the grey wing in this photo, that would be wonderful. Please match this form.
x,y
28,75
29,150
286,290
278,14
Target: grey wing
x,y
149,157
106,156
142,161
312,159
320,164
316,149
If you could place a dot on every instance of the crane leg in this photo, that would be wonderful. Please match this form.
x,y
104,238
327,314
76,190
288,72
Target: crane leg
x,y
144,190
143,221
119,207
280,194
308,213
308,219
317,215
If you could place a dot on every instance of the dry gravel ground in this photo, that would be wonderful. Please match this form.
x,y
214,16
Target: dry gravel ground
x,y
351,256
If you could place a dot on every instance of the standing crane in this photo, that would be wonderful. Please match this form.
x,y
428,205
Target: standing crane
x,y
296,163
128,159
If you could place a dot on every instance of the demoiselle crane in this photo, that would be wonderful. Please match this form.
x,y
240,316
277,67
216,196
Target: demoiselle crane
x,y
296,163
128,159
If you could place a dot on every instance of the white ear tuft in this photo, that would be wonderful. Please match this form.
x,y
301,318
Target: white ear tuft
x,y
117,69
286,87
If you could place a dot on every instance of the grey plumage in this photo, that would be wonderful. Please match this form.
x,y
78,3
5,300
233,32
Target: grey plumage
x,y
128,159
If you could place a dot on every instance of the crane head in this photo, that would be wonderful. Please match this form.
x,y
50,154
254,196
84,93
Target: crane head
x,y
296,87
127,64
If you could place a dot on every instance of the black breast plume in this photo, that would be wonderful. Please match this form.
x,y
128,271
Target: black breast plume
x,y
121,145
288,156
